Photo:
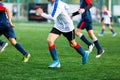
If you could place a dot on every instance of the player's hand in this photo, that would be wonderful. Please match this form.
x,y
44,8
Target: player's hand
x,y
12,25
81,10
39,11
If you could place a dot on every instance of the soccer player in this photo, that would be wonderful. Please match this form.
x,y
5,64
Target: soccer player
x,y
86,23
3,45
63,25
6,28
106,20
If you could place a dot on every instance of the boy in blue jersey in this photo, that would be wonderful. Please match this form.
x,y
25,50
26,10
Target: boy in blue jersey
x,y
63,25
3,45
6,29
86,23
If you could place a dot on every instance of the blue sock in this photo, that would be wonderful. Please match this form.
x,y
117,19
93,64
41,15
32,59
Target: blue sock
x,y
20,49
53,52
79,49
97,45
83,38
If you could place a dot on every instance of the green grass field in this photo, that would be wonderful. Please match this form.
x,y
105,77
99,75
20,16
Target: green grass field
x,y
33,37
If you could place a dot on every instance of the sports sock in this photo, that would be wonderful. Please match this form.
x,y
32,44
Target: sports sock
x,y
97,45
53,52
79,49
112,31
102,31
20,49
83,38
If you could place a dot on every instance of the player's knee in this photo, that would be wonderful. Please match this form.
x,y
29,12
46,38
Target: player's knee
x,y
103,28
12,41
49,41
73,43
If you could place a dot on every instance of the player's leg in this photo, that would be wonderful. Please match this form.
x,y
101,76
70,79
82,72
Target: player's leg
x,y
81,51
3,45
10,35
102,31
71,38
78,30
53,35
96,42
20,49
111,29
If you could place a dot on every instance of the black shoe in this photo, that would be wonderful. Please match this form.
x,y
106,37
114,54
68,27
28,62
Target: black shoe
x,y
100,53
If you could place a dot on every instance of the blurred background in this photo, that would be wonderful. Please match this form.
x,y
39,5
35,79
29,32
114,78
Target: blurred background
x,y
24,10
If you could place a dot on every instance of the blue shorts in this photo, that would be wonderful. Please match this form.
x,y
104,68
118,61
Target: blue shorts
x,y
85,25
107,25
7,30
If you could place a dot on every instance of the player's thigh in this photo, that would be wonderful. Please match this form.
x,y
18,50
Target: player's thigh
x,y
53,35
70,35
12,41
91,34
9,33
71,38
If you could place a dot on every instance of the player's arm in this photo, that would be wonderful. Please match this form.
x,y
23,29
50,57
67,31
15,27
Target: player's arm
x,y
82,10
40,12
89,4
74,14
102,20
9,17
110,15
51,16
111,19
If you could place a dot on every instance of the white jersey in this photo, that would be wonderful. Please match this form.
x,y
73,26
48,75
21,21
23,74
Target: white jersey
x,y
106,15
63,22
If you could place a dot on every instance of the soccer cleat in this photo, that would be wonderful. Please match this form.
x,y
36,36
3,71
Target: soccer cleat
x,y
114,34
26,58
90,48
100,53
100,34
4,45
55,64
85,57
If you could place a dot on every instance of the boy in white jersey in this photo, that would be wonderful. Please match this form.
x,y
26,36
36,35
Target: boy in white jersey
x,y
106,20
63,25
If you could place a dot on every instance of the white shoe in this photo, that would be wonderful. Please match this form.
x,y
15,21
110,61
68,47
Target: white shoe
x,y
26,58
4,45
100,35
90,48
55,64
114,34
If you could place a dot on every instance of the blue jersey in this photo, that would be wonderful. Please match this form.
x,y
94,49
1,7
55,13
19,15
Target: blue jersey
x,y
3,17
86,16
5,27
